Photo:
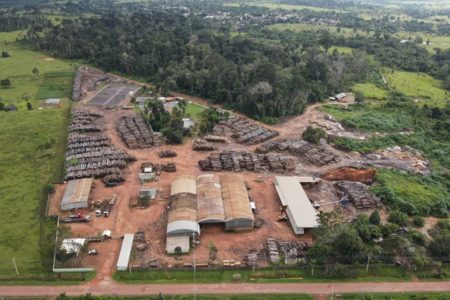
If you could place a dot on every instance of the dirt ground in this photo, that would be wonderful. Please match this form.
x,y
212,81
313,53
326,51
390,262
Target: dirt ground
x,y
152,220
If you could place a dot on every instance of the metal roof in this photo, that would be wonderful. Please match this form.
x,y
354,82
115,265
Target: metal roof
x,y
293,196
183,227
125,252
183,184
235,197
209,199
77,191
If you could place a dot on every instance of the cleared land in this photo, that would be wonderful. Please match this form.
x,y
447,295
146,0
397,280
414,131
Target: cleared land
x,y
370,91
421,86
32,147
436,41
56,85
298,27
113,94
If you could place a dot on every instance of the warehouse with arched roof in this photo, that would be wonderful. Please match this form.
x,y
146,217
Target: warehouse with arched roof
x,y
238,213
209,199
182,219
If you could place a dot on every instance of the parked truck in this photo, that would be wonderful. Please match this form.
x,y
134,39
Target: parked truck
x,y
109,207
78,218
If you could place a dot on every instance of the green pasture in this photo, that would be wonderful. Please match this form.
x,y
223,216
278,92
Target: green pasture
x,y
194,111
436,41
341,50
18,68
423,87
56,85
32,145
299,27
370,91
392,296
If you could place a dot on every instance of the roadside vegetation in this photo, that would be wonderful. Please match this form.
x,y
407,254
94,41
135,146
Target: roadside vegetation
x,y
192,297
391,296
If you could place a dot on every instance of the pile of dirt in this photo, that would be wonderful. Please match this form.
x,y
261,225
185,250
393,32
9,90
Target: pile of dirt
x,y
351,174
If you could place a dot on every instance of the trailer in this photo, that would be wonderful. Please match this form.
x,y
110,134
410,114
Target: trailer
x,y
76,219
109,207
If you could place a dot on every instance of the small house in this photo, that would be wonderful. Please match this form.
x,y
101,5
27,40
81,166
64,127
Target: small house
x,y
52,101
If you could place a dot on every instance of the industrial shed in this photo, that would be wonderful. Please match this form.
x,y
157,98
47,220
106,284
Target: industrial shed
x,y
238,213
209,199
299,209
125,252
172,242
77,194
182,218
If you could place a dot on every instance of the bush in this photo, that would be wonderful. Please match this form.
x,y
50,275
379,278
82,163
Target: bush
x,y
418,221
418,238
314,135
375,218
389,229
398,217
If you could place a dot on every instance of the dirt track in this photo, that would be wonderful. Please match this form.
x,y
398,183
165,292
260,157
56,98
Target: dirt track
x,y
319,290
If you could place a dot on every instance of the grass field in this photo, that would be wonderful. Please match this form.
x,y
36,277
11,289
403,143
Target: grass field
x,y
418,85
194,111
437,41
299,274
370,91
392,296
342,50
270,5
210,297
32,145
56,85
299,27
423,193
18,68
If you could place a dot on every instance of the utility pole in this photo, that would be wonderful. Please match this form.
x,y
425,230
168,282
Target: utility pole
x,y
15,265
195,267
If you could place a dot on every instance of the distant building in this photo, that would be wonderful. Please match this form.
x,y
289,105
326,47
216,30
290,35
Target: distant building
x,y
52,101
299,208
77,194
188,123
340,96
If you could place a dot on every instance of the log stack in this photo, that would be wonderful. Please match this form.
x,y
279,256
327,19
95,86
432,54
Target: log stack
x,y
167,153
246,131
136,133
203,145
215,139
91,154
239,161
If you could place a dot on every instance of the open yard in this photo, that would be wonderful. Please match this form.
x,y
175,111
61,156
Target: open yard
x,y
418,85
32,145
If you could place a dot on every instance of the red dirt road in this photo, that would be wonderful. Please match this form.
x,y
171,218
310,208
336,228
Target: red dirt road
x,y
317,289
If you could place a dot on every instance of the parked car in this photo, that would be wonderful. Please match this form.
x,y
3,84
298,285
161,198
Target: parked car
x,y
93,252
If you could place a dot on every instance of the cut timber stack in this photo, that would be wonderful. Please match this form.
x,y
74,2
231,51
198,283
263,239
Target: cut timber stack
x,y
202,145
359,194
167,153
215,139
92,155
315,154
136,133
246,131
238,161
86,80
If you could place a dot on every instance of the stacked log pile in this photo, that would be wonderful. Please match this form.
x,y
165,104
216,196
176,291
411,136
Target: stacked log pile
x,y
203,145
136,133
83,121
272,249
92,155
238,161
315,154
293,252
167,153
215,139
113,179
86,80
246,131
358,194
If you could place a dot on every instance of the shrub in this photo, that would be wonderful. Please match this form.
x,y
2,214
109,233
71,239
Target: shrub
x,y
398,217
418,221
375,218
314,135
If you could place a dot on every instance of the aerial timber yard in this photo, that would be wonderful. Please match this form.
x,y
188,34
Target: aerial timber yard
x,y
248,196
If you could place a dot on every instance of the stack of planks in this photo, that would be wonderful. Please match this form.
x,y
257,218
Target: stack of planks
x,y
136,133
246,131
167,153
215,139
238,161
203,145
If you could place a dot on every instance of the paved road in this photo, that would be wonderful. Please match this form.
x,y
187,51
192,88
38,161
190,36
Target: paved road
x,y
317,289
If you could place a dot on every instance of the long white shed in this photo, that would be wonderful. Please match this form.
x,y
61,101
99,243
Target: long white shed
x,y
125,252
